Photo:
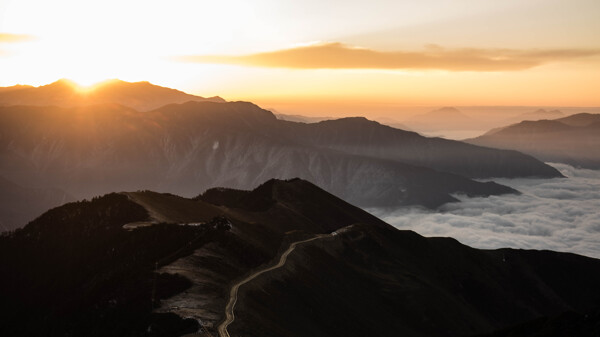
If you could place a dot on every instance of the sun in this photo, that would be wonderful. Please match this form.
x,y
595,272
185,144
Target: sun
x,y
87,83
83,87
86,80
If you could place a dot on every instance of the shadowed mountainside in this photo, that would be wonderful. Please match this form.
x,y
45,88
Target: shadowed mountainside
x,y
572,140
19,205
141,96
77,271
184,148
360,136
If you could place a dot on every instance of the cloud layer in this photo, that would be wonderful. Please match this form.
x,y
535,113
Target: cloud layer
x,y
340,56
555,214
6,37
12,38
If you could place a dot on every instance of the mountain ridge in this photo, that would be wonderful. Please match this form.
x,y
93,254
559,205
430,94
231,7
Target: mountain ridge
x,y
367,279
184,148
571,140
66,93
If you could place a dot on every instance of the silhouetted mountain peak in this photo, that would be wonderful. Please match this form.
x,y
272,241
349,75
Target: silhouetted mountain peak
x,y
235,112
350,122
447,110
551,112
535,115
267,194
580,119
446,113
544,114
66,93
446,118
571,140
63,82
525,127
131,264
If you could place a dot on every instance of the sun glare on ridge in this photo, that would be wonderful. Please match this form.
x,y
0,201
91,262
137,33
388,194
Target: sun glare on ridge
x,y
86,84
83,86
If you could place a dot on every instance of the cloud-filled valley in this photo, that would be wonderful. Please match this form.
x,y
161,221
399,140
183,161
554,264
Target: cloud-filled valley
x,y
559,214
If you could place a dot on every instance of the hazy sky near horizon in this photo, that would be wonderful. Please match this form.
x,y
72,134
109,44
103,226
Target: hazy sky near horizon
x,y
432,52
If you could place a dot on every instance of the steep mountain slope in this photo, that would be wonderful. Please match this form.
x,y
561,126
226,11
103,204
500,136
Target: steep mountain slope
x,y
19,205
566,324
185,148
416,286
392,122
76,270
573,140
363,137
64,93
581,119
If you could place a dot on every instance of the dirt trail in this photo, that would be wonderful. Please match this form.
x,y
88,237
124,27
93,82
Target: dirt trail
x,y
233,293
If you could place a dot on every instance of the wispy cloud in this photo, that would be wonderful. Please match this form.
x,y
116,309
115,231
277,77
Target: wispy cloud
x,y
8,38
340,56
12,38
556,214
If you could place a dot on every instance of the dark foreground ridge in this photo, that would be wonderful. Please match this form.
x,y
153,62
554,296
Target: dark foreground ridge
x,y
151,264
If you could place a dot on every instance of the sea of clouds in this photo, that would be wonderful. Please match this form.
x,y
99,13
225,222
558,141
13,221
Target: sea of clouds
x,y
561,214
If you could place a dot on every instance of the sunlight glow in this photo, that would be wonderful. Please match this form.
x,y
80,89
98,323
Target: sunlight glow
x,y
91,41
86,85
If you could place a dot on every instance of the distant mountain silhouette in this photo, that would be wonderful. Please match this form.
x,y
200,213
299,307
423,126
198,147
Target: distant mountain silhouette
x,y
14,87
150,264
309,119
360,136
539,114
581,119
299,118
64,93
573,140
447,118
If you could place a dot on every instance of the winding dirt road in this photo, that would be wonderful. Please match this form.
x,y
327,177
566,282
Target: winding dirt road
x,y
233,293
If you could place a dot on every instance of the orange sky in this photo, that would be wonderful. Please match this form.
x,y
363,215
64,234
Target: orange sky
x,y
289,54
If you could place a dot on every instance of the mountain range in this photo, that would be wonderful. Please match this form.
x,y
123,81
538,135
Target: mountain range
x,y
539,114
303,263
184,148
572,140
141,96
272,247
299,118
446,118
